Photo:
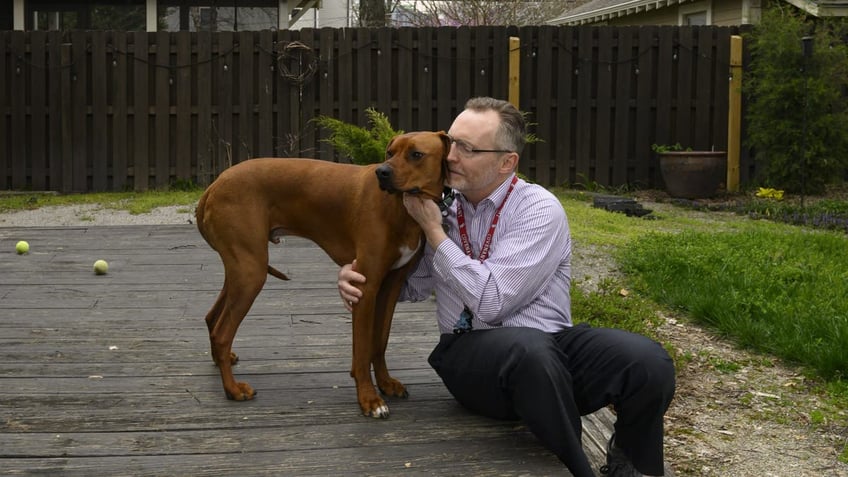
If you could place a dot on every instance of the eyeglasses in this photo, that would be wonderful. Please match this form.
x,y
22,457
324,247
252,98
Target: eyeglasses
x,y
466,150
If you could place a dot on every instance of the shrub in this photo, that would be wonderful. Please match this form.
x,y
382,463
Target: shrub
x,y
796,151
361,145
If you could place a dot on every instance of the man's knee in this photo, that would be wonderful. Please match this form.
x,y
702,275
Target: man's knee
x,y
657,371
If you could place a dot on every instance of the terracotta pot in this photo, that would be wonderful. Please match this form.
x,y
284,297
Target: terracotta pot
x,y
693,174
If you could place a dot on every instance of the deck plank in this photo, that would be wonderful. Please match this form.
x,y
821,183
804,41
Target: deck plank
x,y
111,375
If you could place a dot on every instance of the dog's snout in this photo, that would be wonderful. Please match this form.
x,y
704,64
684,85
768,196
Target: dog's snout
x,y
384,176
384,172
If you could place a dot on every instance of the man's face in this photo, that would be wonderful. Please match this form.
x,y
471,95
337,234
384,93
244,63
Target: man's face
x,y
475,174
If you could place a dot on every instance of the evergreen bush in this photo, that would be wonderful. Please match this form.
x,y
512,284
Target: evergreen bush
x,y
361,145
798,107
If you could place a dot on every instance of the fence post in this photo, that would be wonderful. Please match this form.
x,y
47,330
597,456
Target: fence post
x,y
514,69
734,114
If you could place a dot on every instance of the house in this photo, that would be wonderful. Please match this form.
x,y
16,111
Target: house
x,y
685,12
173,15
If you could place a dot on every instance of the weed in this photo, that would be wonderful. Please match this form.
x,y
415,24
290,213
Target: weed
x,y
724,366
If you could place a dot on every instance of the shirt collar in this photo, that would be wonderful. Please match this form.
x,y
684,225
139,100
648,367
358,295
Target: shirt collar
x,y
496,197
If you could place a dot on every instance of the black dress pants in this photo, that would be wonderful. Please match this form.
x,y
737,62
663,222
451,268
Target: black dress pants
x,y
550,380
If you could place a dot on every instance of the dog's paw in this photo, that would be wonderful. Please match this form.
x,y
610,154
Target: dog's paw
x,y
243,392
394,388
379,412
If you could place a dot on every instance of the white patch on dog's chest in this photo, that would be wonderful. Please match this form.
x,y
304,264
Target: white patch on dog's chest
x,y
406,255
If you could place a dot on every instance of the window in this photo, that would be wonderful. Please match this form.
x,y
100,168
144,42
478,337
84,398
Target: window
x,y
209,15
127,15
693,14
694,19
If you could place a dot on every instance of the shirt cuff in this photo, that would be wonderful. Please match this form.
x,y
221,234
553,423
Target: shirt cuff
x,y
447,256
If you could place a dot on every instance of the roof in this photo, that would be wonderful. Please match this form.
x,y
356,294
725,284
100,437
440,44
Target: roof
x,y
596,11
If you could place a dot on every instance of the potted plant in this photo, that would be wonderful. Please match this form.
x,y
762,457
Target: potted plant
x,y
691,174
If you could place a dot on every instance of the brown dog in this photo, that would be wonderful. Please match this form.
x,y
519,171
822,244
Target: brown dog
x,y
351,213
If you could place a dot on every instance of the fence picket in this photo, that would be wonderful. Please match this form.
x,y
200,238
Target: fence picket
x,y
38,111
243,138
610,101
120,148
17,71
183,100
622,132
642,158
5,145
265,96
686,53
99,114
139,64
203,85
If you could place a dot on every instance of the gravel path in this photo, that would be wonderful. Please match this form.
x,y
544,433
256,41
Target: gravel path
x,y
91,214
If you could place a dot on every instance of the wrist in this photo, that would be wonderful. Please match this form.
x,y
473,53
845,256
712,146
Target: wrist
x,y
435,236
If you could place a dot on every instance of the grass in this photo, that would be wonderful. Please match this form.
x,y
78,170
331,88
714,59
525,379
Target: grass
x,y
780,293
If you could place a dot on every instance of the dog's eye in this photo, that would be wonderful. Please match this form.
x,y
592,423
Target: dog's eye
x,y
389,154
417,155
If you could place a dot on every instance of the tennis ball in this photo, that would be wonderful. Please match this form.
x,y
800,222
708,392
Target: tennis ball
x,y
22,247
101,267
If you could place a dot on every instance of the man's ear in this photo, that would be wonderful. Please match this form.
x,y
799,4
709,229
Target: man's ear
x,y
510,163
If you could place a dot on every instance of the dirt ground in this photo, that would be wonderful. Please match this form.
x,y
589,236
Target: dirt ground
x,y
741,414
735,413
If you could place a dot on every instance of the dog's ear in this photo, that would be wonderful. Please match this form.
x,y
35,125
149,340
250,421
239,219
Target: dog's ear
x,y
389,145
446,143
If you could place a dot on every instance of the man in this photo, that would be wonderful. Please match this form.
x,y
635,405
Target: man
x,y
500,265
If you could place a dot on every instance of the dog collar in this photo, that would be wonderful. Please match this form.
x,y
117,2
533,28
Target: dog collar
x,y
448,197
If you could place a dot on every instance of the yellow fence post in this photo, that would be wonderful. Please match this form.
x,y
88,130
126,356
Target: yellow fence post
x,y
514,69
734,114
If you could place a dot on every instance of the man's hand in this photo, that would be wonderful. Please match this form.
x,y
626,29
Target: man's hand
x,y
348,277
429,217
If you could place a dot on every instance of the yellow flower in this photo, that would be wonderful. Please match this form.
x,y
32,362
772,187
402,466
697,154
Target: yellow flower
x,y
769,193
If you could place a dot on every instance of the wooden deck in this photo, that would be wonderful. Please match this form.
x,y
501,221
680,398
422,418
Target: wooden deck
x,y
111,375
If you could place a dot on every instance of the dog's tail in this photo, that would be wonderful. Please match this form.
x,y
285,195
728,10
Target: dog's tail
x,y
273,271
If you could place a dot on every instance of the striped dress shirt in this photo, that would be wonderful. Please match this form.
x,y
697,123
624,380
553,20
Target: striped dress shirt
x,y
526,279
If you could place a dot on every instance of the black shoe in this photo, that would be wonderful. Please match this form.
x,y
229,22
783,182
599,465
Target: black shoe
x,y
618,465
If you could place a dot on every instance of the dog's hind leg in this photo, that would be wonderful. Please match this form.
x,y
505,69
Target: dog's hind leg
x,y
212,319
243,281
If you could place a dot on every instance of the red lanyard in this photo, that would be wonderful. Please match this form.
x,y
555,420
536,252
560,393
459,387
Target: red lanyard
x,y
487,243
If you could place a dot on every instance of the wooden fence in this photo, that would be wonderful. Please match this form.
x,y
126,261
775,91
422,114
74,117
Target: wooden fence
x,y
92,111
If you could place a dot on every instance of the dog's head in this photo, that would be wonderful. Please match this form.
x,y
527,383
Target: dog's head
x,y
415,163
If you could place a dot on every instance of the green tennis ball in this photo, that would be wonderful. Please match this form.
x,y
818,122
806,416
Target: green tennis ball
x,y
22,247
101,267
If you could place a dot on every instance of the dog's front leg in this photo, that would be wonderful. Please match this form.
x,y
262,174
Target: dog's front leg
x,y
386,300
363,347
